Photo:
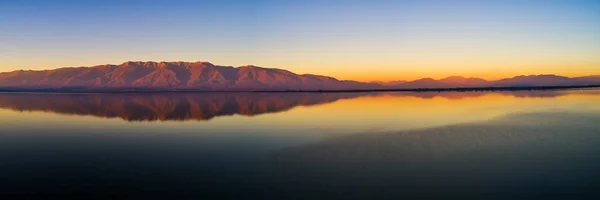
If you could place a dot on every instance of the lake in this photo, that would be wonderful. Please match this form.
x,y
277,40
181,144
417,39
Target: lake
x,y
520,144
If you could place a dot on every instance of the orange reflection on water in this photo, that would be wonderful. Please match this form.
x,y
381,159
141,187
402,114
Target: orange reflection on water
x,y
333,113
396,111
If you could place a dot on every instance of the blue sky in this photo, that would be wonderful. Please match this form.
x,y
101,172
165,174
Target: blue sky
x,y
364,40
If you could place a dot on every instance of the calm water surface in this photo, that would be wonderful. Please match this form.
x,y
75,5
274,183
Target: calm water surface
x,y
526,144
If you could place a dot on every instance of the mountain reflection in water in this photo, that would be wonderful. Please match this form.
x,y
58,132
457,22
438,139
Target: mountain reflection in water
x,y
206,106
163,107
453,145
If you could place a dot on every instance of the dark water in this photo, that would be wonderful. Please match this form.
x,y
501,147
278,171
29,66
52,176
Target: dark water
x,y
504,145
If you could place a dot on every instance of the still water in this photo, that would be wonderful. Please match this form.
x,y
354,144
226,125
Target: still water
x,y
524,144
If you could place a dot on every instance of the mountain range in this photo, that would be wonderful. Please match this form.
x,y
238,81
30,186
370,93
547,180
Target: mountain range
x,y
517,81
204,76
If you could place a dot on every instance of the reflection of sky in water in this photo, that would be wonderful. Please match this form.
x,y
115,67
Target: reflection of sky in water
x,y
277,120
397,144
348,114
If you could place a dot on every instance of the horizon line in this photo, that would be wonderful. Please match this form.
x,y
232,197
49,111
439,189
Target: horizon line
x,y
251,65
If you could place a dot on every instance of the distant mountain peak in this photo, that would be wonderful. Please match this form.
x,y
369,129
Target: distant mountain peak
x,y
541,75
425,79
454,78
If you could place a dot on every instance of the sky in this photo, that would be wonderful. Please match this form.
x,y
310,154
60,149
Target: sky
x,y
376,40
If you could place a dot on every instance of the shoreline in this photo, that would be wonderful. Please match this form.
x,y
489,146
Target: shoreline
x,y
466,89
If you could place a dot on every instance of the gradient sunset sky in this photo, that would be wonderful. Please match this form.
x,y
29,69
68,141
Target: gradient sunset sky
x,y
354,39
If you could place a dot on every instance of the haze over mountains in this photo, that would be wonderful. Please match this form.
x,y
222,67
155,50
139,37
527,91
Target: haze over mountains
x,y
204,76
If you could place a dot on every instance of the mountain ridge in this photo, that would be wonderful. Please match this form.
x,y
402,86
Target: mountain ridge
x,y
205,76
174,75
540,80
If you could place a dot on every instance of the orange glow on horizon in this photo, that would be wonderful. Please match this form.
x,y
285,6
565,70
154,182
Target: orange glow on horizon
x,y
381,72
410,74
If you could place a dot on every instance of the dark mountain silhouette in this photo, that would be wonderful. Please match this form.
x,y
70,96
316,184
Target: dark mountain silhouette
x,y
204,76
460,81
517,81
537,80
592,79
